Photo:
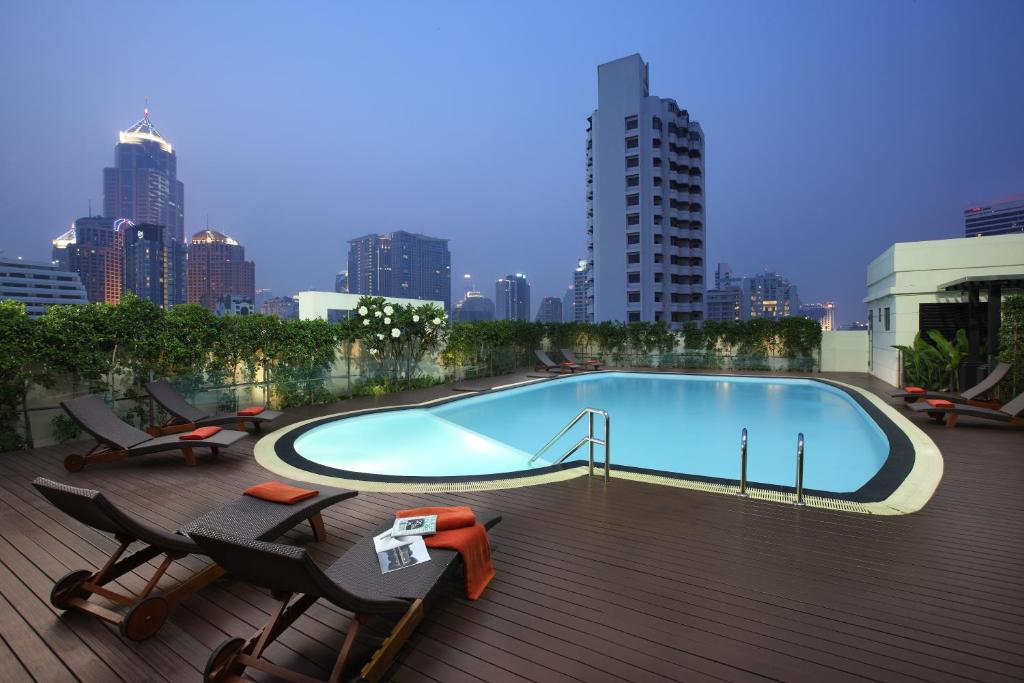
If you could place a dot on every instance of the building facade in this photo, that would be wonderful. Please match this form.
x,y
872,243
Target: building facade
x,y
580,309
143,183
39,285
512,298
474,306
824,313
1001,217
765,295
284,307
154,265
94,248
401,264
550,310
217,268
341,282
645,202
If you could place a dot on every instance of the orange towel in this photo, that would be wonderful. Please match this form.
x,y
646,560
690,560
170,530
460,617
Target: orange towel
x,y
255,410
940,403
913,390
457,529
276,492
200,434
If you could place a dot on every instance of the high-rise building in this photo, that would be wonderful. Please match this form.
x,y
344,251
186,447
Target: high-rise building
x,y
723,304
474,306
999,217
401,264
39,285
154,265
645,201
569,304
765,295
824,313
581,310
340,282
723,276
550,310
512,298
94,248
284,307
143,184
216,268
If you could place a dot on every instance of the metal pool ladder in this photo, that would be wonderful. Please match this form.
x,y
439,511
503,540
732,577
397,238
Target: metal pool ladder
x,y
588,439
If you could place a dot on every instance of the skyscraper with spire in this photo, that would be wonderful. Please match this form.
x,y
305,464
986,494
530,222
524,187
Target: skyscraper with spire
x,y
143,184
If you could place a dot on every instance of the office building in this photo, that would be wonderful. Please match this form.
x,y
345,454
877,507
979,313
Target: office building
x,y
39,285
341,282
401,264
154,265
1000,217
217,268
94,248
474,306
824,313
512,298
143,184
580,309
550,310
234,304
284,307
645,202
723,304
765,295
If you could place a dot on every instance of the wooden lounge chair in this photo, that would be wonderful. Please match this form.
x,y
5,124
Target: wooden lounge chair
x,y
1012,412
975,396
588,364
185,417
394,601
551,366
116,439
247,516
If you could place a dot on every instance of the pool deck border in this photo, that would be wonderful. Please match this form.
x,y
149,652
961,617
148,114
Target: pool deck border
x,y
903,485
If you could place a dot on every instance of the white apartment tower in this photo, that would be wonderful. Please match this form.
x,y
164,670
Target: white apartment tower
x,y
645,202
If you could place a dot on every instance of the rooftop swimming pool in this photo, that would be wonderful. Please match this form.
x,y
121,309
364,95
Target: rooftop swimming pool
x,y
686,425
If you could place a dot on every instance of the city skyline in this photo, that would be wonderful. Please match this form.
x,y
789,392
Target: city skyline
x,y
850,157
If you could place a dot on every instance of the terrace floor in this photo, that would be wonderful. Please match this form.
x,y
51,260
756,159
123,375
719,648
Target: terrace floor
x,y
629,581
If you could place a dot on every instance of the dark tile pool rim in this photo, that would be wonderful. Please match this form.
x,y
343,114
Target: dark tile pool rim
x,y
894,470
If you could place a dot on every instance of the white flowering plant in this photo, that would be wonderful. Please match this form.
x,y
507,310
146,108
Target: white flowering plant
x,y
397,337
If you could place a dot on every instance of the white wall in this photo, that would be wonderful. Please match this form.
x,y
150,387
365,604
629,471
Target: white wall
x,y
844,351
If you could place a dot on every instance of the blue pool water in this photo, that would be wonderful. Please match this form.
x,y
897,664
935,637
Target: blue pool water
x,y
678,423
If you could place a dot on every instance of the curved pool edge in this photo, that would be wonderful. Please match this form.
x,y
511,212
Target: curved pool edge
x,y
911,494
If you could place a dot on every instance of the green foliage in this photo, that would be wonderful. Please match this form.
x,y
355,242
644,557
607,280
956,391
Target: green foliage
x,y
1011,345
397,337
64,428
935,364
19,345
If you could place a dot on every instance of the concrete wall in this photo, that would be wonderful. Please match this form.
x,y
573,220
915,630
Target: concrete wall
x,y
844,351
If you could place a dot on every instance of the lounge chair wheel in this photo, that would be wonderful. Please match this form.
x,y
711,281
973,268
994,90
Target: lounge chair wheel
x,y
145,618
67,587
74,463
221,664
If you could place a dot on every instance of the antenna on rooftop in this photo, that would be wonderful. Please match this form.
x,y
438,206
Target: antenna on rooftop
x,y
145,111
90,208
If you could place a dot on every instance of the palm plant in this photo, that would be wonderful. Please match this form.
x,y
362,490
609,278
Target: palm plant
x,y
934,366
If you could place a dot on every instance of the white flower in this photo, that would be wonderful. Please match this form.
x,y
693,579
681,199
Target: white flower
x,y
366,322
437,321
387,321
395,332
377,314
415,318
388,310
380,336
373,352
362,310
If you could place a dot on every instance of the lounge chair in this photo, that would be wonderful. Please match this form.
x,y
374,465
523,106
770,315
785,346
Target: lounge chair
x,y
116,439
353,583
1012,412
551,366
185,417
588,364
973,396
247,516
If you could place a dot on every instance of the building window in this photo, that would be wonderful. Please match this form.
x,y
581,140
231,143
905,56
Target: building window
x,y
633,257
657,219
658,239
658,258
633,238
656,143
633,219
657,200
632,181
633,162
658,277
657,297
633,316
632,122
632,142
886,318
657,162
632,200
656,123
633,297
633,278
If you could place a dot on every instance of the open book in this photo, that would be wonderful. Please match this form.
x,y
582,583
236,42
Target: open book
x,y
415,526
399,552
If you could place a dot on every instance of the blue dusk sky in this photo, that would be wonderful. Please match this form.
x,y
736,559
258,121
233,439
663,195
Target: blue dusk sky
x,y
833,128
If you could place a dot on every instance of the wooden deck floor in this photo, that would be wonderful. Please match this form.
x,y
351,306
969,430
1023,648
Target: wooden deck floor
x,y
590,585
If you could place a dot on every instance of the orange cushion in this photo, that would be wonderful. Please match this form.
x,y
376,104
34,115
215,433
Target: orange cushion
x,y
913,390
276,492
940,403
255,410
567,364
592,362
200,434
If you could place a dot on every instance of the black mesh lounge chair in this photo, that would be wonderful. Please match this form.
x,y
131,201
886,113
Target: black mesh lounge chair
x,y
551,366
185,417
354,583
1012,412
974,396
247,516
116,439
588,364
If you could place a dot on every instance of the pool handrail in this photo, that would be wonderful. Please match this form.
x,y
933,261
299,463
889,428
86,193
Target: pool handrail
x,y
588,439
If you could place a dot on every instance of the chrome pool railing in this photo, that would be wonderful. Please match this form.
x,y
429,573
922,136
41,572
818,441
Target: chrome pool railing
x,y
588,439
742,493
799,470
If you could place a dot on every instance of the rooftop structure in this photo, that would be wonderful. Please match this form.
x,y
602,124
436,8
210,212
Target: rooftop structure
x,y
474,306
217,268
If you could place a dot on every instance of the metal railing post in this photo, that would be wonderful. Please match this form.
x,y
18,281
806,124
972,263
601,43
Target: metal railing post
x,y
800,470
590,440
743,464
607,447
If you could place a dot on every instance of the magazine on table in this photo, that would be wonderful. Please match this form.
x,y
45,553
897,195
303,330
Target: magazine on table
x,y
399,552
424,525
